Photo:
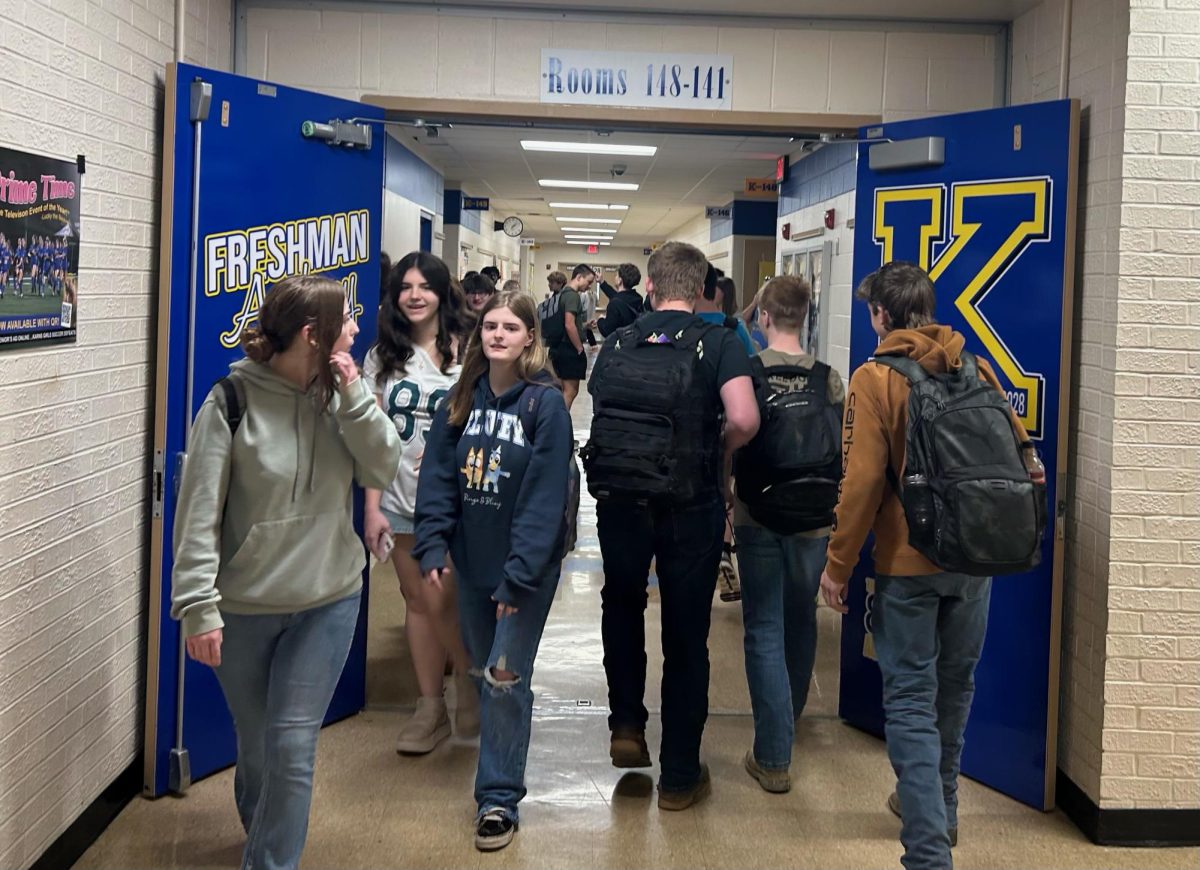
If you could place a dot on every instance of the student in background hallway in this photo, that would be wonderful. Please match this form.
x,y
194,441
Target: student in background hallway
x,y
268,568
411,368
566,355
624,302
708,309
676,522
512,285
781,572
478,289
493,481
492,273
929,624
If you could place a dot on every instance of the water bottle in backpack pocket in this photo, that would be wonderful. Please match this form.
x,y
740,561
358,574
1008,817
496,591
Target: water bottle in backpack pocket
x,y
788,475
971,504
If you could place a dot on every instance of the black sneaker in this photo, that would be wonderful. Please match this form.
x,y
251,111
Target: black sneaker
x,y
494,830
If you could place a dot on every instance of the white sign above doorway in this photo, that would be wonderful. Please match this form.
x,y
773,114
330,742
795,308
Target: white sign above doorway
x,y
637,79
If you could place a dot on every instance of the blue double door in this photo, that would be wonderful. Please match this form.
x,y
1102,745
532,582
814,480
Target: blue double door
x,y
246,198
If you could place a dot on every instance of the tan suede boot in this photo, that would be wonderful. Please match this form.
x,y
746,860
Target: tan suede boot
x,y
428,727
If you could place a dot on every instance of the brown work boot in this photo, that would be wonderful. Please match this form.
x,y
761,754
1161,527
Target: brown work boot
x,y
628,748
774,781
684,798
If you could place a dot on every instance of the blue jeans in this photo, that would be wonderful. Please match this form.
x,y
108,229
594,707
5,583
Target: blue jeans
x,y
780,578
929,635
278,673
505,707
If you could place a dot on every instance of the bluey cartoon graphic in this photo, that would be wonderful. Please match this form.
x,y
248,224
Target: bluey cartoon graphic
x,y
474,468
491,480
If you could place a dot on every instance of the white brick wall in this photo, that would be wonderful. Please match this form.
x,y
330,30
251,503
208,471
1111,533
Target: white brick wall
x,y
1154,600
82,77
448,54
1131,676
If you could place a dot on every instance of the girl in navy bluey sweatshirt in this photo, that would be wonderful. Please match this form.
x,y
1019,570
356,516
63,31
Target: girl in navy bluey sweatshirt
x,y
491,496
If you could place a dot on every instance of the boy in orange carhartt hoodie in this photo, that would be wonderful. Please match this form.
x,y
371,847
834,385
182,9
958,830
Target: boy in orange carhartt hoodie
x,y
928,624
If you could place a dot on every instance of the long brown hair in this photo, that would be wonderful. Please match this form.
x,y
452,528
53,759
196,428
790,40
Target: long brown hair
x,y
532,361
394,346
291,305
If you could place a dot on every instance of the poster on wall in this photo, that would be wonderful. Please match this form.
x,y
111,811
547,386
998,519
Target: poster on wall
x,y
39,249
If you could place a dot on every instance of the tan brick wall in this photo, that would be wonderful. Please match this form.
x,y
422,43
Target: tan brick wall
x,y
82,77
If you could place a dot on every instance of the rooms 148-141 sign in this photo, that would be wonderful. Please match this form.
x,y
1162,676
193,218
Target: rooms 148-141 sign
x,y
637,79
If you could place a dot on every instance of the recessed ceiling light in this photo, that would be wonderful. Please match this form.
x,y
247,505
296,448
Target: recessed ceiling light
x,y
584,236
587,220
585,148
588,185
592,230
589,244
589,205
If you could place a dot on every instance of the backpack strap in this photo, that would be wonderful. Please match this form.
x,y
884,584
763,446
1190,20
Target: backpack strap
x,y
530,397
233,391
730,322
910,368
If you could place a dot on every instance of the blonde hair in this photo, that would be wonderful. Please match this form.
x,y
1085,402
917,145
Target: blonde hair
x,y
533,360
786,299
677,271
288,307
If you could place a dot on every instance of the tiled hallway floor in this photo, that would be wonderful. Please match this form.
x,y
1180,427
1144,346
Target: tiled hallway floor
x,y
374,809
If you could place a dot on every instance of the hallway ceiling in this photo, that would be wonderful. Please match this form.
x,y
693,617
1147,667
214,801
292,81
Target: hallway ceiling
x,y
688,173
905,10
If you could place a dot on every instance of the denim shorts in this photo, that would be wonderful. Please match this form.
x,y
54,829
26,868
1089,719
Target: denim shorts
x,y
401,525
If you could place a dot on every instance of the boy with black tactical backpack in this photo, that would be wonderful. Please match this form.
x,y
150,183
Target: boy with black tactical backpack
x,y
938,466
787,486
673,398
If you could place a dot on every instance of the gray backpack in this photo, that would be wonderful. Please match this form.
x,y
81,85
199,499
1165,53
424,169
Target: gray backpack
x,y
970,503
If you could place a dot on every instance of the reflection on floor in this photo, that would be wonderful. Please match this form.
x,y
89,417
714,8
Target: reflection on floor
x,y
374,809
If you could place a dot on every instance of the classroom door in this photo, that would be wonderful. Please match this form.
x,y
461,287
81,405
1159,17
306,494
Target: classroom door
x,y
993,222
247,198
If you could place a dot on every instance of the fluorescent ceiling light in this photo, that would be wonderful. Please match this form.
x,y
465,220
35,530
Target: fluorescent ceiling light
x,y
587,238
589,244
592,230
587,185
580,220
590,205
585,148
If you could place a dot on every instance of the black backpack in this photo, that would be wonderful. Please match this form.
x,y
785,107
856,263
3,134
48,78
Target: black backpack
x,y
788,475
968,498
528,414
654,432
553,328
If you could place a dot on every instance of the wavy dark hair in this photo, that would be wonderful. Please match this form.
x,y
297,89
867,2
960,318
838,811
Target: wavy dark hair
x,y
394,346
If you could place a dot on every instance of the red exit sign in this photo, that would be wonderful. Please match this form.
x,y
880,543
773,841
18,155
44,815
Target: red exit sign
x,y
593,249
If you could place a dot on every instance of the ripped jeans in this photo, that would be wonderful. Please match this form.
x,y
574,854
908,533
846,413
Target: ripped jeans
x,y
506,707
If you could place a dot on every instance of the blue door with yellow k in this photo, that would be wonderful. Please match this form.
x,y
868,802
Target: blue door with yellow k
x,y
259,181
985,202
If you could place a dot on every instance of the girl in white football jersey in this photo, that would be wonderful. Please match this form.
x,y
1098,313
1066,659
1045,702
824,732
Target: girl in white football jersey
x,y
423,324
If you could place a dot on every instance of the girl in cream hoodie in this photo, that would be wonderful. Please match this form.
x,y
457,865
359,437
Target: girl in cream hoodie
x,y
268,567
